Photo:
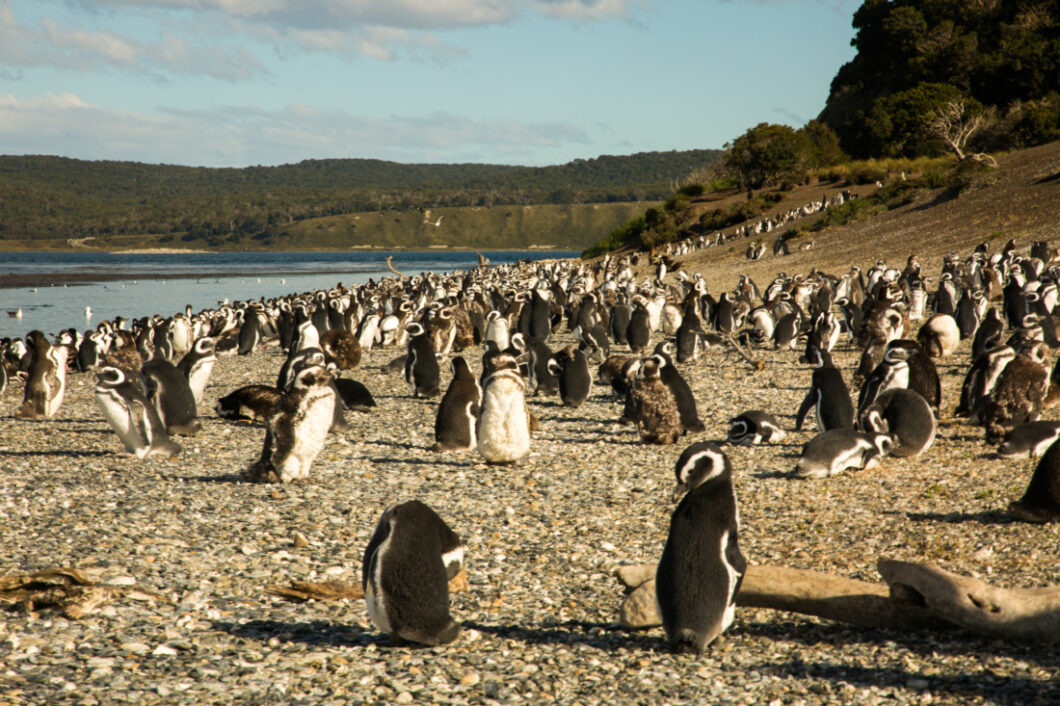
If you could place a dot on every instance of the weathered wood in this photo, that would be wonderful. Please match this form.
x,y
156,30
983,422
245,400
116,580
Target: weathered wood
x,y
390,266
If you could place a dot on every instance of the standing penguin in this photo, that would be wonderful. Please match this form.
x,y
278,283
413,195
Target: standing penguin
x,y
131,415
701,567
46,380
408,563
828,396
892,372
1041,501
651,405
542,381
169,392
454,427
503,428
571,368
1018,395
197,365
296,429
686,401
421,363
638,333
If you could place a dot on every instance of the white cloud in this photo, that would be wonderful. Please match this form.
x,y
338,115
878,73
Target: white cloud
x,y
580,10
241,135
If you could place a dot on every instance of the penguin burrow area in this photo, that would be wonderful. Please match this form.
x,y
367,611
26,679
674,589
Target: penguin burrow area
x,y
188,550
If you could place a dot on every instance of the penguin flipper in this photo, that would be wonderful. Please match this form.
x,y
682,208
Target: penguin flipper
x,y
808,403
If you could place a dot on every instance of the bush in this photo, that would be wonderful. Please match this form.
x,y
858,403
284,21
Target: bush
x,y
692,190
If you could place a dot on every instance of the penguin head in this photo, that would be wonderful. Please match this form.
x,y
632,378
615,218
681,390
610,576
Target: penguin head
x,y
819,358
311,376
698,464
110,376
460,369
205,345
884,443
896,354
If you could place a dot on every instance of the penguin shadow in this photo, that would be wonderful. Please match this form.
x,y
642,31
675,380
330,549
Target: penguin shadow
x,y
602,636
223,478
786,475
597,439
984,517
315,633
433,460
926,644
57,453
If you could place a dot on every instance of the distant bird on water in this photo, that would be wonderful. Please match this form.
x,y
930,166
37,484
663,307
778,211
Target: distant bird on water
x,y
88,312
16,314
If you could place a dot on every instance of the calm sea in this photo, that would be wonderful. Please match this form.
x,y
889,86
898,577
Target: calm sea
x,y
143,284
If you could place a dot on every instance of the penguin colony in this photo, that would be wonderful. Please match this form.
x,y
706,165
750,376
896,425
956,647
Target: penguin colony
x,y
152,374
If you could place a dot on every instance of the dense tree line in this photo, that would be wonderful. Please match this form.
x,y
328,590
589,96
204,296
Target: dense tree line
x,y
56,197
914,57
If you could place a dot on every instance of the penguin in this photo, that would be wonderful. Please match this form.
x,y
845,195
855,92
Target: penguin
x,y
612,373
828,396
249,403
542,381
1029,439
342,348
786,331
131,415
594,343
701,567
939,335
688,335
981,378
923,375
354,394
672,378
988,334
653,407
296,360
250,334
892,372
296,428
1018,395
46,379
754,427
3,378
1041,501
496,329
454,425
503,427
618,323
408,563
169,392
421,364
540,323
638,333
197,365
906,416
836,450
90,352
571,368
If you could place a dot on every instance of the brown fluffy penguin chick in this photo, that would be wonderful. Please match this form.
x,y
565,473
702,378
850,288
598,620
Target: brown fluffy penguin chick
x,y
655,408
610,373
1018,395
342,348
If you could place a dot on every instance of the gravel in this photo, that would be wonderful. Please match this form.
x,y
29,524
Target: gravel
x,y
543,539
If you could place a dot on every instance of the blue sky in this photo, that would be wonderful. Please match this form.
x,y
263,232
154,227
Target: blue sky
x,y
533,82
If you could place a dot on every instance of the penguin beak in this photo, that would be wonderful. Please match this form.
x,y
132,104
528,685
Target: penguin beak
x,y
679,492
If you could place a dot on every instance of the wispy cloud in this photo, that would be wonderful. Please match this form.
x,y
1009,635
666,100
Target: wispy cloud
x,y
237,135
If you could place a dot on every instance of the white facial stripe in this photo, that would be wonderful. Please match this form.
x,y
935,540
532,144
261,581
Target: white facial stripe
x,y
716,469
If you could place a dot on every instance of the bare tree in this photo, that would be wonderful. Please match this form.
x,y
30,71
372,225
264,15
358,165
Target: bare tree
x,y
955,128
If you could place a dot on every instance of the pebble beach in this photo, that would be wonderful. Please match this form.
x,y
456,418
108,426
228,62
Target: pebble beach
x,y
195,549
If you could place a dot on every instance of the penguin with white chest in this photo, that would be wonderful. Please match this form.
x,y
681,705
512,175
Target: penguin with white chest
x,y
171,395
503,428
197,365
701,567
46,379
1029,439
906,416
754,427
828,396
454,426
409,561
296,429
421,364
836,450
131,415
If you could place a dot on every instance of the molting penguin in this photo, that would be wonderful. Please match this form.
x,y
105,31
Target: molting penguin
x,y
169,392
409,561
701,567
1029,439
503,428
1018,395
248,403
571,368
906,416
1041,501
296,428
421,364
652,406
341,348
836,450
754,427
686,401
46,380
197,365
828,396
131,415
454,426
981,378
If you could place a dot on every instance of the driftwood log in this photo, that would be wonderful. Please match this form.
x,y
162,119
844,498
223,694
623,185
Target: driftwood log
x,y
390,266
914,597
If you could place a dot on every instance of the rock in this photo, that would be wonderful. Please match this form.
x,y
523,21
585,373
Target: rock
x,y
638,610
300,540
633,575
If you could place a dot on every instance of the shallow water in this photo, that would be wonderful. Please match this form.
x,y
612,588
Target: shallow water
x,y
144,284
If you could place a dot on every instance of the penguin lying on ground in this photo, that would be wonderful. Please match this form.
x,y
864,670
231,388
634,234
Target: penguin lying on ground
x,y
906,416
248,403
701,567
1029,439
836,450
408,562
754,427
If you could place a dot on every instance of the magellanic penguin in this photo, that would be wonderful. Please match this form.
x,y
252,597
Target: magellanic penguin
x,y
836,450
828,396
197,365
1018,395
981,378
454,425
169,392
672,378
701,567
1029,440
638,332
906,416
1041,501
571,368
503,429
421,364
341,348
409,561
754,427
46,380
296,429
939,335
131,415
251,403
892,372
542,382
653,407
